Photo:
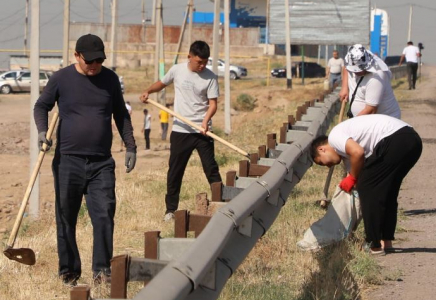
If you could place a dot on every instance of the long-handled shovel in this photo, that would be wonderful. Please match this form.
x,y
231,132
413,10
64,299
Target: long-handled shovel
x,y
193,125
325,202
25,255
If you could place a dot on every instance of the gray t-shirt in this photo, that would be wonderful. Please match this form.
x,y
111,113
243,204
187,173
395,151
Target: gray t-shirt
x,y
192,93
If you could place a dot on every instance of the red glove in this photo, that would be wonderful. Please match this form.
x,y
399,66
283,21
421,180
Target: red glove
x,y
347,183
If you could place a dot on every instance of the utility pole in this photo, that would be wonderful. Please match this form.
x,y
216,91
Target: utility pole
x,y
34,95
114,33
216,35
143,20
182,32
66,33
26,25
153,15
409,36
162,98
157,42
191,10
101,11
227,120
288,47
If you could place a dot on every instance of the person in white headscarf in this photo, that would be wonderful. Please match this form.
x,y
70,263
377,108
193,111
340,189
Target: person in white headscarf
x,y
368,78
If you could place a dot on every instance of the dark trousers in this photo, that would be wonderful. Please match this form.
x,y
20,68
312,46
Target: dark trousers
x,y
380,180
76,176
182,145
412,69
147,138
164,127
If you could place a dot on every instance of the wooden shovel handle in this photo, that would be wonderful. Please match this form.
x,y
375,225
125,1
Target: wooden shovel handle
x,y
35,172
332,168
193,125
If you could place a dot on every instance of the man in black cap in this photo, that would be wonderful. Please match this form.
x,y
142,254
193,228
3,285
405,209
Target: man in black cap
x,y
88,95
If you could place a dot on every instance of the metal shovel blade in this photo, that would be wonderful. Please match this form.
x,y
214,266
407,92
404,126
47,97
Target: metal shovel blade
x,y
22,255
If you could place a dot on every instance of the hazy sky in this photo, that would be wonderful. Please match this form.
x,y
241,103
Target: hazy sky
x,y
12,17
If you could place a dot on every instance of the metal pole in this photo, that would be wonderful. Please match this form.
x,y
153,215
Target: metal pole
x,y
216,35
66,33
114,33
302,64
326,55
26,25
319,53
409,36
288,47
191,10
34,95
182,32
101,11
227,120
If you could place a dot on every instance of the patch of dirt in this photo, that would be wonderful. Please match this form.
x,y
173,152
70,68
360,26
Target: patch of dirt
x,y
410,272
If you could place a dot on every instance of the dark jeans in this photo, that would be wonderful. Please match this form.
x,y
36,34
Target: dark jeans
x,y
182,145
164,127
380,180
76,176
147,138
412,69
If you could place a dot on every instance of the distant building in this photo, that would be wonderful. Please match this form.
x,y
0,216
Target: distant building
x,y
379,32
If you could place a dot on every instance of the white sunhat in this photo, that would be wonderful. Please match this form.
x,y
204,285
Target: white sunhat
x,y
359,59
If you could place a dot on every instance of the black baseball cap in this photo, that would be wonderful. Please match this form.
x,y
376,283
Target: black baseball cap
x,y
91,47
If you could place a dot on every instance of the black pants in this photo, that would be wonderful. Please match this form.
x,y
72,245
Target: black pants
x,y
164,127
182,145
147,138
380,180
412,69
76,176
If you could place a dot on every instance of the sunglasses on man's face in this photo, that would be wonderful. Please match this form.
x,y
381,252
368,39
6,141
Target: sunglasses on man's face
x,y
97,60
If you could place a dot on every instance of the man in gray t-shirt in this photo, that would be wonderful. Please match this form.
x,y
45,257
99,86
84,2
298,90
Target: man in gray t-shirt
x,y
196,94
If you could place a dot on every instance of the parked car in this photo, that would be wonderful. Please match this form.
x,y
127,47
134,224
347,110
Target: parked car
x,y
310,70
392,60
235,71
19,81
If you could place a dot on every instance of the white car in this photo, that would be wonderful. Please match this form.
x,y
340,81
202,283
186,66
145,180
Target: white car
x,y
235,71
19,81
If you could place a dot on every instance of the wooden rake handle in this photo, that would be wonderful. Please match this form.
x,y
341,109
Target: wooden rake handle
x,y
33,177
193,125
332,168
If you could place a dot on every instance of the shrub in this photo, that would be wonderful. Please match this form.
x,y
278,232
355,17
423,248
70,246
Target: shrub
x,y
245,102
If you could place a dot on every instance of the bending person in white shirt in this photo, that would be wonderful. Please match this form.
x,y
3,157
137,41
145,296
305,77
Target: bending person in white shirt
x,y
378,152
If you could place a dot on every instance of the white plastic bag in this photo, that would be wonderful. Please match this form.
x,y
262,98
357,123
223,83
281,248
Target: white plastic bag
x,y
342,217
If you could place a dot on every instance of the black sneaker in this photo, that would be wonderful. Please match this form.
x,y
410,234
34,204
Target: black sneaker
x,y
102,277
69,279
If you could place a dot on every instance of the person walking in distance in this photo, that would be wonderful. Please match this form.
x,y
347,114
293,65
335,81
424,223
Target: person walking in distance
x,y
411,54
88,95
368,80
378,152
334,69
196,93
164,117
147,128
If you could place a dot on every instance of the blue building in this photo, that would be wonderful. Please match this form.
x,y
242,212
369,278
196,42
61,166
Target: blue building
x,y
379,32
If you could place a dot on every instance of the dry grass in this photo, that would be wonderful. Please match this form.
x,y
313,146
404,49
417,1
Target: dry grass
x,y
275,269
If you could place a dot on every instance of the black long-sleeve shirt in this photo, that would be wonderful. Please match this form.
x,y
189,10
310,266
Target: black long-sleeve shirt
x,y
86,105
